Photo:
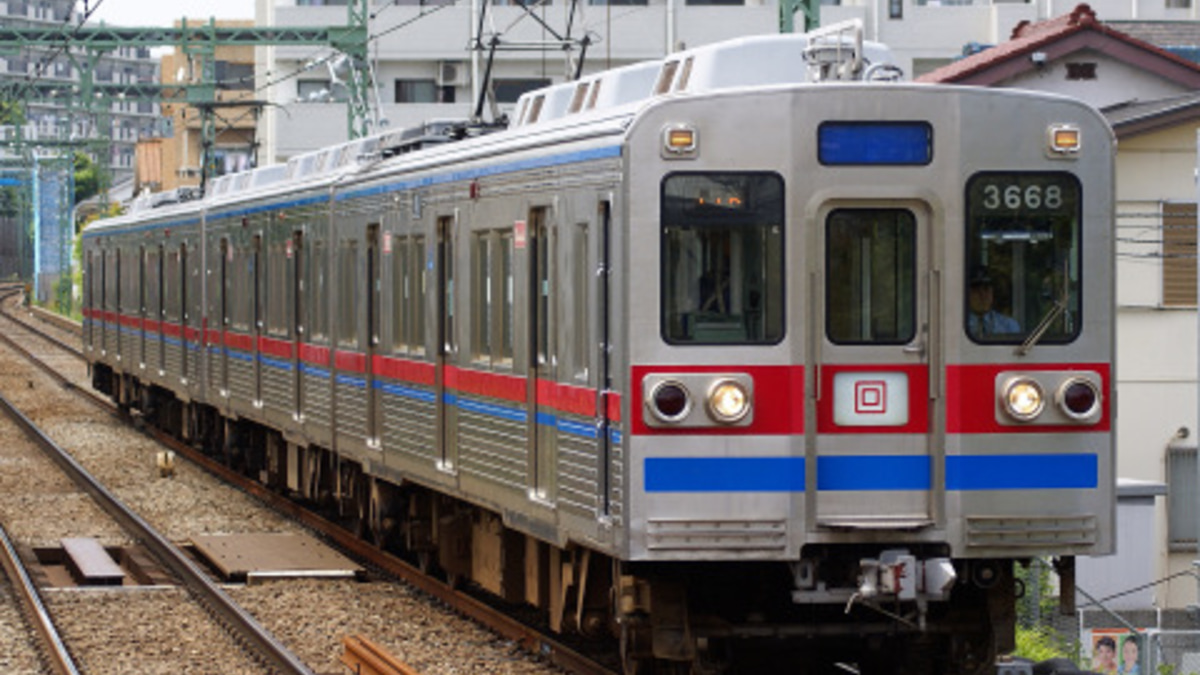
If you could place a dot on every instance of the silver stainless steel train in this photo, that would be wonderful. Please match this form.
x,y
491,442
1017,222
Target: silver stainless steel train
x,y
751,349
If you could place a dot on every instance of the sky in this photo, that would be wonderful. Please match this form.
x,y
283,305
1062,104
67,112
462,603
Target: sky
x,y
166,12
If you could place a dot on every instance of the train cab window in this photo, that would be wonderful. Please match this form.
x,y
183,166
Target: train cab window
x,y
1022,274
870,287
722,258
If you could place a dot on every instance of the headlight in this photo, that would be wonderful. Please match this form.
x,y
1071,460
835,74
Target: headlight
x,y
669,401
1023,399
1079,399
728,402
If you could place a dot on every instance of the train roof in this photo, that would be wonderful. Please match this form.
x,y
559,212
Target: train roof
x,y
598,104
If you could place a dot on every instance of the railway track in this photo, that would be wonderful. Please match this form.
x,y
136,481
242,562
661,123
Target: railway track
x,y
509,629
265,648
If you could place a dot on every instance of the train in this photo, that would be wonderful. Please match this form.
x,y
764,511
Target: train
x,y
752,354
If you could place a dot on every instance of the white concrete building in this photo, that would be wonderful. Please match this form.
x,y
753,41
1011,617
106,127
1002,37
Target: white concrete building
x,y
423,65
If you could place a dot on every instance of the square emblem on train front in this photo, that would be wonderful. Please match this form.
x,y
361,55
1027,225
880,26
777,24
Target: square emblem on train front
x,y
867,399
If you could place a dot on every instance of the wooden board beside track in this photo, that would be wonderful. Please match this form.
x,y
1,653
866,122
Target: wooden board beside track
x,y
260,556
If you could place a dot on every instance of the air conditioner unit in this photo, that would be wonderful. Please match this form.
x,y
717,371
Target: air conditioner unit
x,y
451,73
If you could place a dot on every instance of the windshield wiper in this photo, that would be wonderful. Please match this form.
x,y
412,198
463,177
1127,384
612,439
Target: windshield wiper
x,y
1054,312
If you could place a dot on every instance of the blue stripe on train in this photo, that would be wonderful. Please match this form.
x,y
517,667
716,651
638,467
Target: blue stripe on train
x,y
871,473
724,474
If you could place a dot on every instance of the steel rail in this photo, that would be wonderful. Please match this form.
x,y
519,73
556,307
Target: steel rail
x,y
261,642
531,639
55,650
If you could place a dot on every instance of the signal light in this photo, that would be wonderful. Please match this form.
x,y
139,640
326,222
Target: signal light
x,y
1064,139
669,401
1023,399
679,141
1079,399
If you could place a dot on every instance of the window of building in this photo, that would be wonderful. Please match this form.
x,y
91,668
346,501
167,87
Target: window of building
x,y
1179,4
1081,71
1181,498
235,76
509,90
895,9
320,91
1179,254
422,91
716,2
618,2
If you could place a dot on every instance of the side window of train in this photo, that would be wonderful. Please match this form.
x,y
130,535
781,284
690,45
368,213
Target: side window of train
x,y
721,275
870,285
277,287
580,312
318,309
481,297
420,269
492,297
347,289
402,294
1023,257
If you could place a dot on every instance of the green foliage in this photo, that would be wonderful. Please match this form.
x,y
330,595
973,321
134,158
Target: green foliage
x,y
1041,643
12,112
1037,580
87,178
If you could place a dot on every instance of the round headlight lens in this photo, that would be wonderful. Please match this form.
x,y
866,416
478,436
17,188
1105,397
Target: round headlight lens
x,y
728,402
669,401
1079,398
1023,399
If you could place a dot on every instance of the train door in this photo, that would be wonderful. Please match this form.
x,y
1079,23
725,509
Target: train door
x,y
160,311
219,376
300,301
89,303
873,437
542,361
374,289
257,315
604,381
448,457
184,315
142,310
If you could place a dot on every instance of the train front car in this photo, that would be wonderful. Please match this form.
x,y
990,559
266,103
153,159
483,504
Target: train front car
x,y
870,342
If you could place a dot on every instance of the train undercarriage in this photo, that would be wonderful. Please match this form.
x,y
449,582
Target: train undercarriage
x,y
808,617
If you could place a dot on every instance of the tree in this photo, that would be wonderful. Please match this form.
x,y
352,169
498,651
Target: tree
x,y
87,178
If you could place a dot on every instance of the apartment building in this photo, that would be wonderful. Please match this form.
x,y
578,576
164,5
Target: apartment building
x,y
63,115
424,67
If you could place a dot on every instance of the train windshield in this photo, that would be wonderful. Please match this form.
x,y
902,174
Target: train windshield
x,y
1022,274
722,258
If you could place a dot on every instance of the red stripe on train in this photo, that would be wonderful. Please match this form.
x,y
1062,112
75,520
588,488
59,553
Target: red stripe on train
x,y
350,361
274,347
413,372
778,400
972,404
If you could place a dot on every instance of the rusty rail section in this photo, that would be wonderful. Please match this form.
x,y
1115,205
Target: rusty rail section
x,y
53,647
364,657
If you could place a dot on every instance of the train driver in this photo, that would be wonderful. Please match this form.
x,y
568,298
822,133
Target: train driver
x,y
983,319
